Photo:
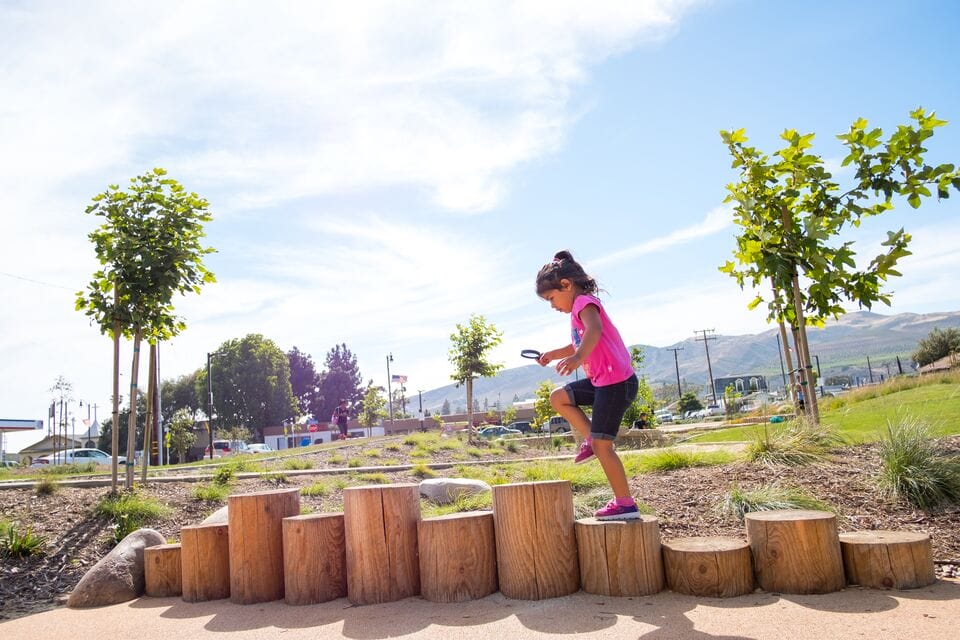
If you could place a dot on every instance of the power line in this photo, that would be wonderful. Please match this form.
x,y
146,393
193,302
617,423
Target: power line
x,y
706,340
31,280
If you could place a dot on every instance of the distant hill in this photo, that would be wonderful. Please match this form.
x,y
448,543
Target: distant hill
x,y
843,347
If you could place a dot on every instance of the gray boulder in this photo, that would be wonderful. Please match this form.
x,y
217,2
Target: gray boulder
x,y
447,490
118,576
217,517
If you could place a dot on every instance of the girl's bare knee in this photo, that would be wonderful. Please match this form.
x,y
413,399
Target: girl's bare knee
x,y
559,398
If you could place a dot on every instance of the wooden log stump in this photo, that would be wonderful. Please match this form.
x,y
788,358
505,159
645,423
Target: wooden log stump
x,y
205,562
795,551
380,530
536,541
314,560
888,559
256,543
161,570
716,567
458,557
620,557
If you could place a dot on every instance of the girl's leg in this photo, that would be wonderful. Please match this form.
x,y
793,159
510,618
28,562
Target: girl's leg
x,y
612,467
562,404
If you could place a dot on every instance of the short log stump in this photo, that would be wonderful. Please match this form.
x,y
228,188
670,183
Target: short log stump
x,y
713,567
620,557
458,557
888,559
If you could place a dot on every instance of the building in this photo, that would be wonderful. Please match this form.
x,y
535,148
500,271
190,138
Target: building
x,y
743,384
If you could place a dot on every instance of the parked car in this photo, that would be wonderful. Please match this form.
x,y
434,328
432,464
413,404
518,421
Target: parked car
x,y
497,431
259,447
559,424
523,427
663,416
222,448
77,456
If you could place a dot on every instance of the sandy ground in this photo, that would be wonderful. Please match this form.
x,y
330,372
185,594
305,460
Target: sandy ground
x,y
922,614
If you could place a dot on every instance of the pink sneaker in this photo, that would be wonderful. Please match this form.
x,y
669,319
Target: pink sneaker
x,y
585,453
614,511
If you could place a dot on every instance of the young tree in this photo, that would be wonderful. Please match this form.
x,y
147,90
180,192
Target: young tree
x,y
341,380
251,385
542,409
791,213
179,394
180,436
374,408
445,408
469,352
509,414
689,402
305,384
939,343
150,251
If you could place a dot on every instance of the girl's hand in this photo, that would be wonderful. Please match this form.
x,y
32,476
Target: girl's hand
x,y
545,358
568,365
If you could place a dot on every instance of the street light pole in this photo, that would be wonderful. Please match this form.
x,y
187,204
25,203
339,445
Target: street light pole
x,y
210,356
420,398
389,390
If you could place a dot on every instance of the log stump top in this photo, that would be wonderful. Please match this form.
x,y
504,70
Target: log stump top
x,y
594,522
257,494
384,487
883,537
458,515
705,544
313,516
779,515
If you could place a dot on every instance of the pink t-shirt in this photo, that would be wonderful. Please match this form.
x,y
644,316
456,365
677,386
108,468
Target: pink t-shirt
x,y
609,363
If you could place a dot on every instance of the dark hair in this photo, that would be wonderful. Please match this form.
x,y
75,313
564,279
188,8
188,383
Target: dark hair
x,y
564,266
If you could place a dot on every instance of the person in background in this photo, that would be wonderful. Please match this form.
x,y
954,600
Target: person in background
x,y
340,416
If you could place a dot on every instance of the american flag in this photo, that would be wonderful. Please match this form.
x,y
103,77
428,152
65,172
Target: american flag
x,y
400,379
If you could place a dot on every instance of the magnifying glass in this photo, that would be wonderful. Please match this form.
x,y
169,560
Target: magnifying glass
x,y
532,354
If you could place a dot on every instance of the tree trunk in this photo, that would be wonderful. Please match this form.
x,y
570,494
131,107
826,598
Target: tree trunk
x,y
803,351
151,412
115,429
470,409
792,391
132,422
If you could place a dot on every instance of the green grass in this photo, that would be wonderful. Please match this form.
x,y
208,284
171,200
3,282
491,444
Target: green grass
x,y
336,458
372,453
129,512
213,492
353,463
915,469
423,471
465,502
316,489
297,464
801,442
862,415
47,486
768,498
374,478
648,461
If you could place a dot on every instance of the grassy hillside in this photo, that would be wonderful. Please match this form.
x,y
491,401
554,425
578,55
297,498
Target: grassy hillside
x,y
861,415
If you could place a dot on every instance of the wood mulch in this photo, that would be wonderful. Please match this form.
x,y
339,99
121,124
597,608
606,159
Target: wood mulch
x,y
687,502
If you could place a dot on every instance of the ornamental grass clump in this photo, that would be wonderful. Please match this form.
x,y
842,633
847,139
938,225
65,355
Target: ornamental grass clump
x,y
770,497
915,468
803,442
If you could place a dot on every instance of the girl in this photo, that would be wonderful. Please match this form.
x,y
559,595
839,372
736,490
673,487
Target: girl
x,y
610,385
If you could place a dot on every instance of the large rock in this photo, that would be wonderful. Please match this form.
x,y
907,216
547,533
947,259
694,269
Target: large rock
x,y
217,517
118,577
447,490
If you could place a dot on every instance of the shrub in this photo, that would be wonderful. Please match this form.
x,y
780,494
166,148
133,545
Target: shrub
x,y
913,467
423,471
47,486
223,475
372,453
336,459
393,446
19,544
802,442
275,477
353,463
739,501
375,478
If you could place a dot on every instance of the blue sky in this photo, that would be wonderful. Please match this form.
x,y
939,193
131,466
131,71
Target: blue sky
x,y
379,174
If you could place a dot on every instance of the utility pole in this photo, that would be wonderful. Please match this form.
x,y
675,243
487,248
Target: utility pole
x,y
390,391
676,365
706,340
869,370
819,379
420,398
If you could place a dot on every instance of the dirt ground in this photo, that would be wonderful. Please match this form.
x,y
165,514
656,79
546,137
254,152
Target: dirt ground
x,y
686,501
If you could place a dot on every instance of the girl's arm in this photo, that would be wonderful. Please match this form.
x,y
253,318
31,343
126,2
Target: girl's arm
x,y
592,328
554,354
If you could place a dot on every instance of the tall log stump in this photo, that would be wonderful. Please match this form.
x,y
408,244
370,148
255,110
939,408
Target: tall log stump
x,y
458,557
256,543
714,567
161,570
380,529
314,560
888,559
795,551
620,557
536,540
205,562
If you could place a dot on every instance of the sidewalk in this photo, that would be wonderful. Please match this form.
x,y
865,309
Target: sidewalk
x,y
930,613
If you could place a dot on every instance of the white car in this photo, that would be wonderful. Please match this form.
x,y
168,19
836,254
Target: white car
x,y
258,447
77,456
663,416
